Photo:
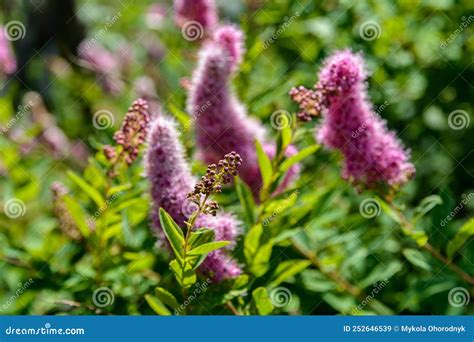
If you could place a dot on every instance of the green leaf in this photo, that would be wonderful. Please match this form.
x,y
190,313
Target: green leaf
x,y
316,281
118,188
284,139
262,302
78,215
257,252
200,237
417,258
381,272
426,204
252,242
288,269
87,188
184,273
265,165
389,211
157,305
246,200
298,157
166,297
462,236
173,233
208,247
260,263
183,118
129,203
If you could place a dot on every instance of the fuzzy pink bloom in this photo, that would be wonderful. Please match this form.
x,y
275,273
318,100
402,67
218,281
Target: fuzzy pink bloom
x,y
222,122
220,266
373,154
202,11
7,58
105,65
171,180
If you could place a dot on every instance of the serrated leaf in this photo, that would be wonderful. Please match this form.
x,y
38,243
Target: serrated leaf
x,y
264,164
262,302
87,188
285,166
288,269
173,233
208,247
166,297
157,305
417,258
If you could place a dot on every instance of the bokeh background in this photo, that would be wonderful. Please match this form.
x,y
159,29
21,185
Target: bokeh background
x,y
419,53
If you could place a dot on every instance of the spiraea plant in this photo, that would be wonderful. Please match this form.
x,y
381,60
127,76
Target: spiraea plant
x,y
273,181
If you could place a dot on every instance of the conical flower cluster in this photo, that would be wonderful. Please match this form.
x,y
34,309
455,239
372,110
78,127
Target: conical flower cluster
x,y
203,12
222,123
171,181
373,154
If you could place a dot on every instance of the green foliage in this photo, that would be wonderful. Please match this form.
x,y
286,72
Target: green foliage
x,y
311,239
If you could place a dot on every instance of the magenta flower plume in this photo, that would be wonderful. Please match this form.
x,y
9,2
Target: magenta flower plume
x,y
7,59
222,123
373,154
203,12
171,181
